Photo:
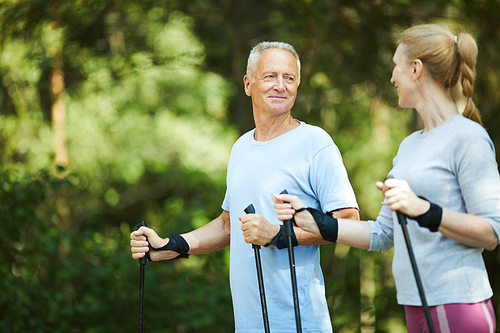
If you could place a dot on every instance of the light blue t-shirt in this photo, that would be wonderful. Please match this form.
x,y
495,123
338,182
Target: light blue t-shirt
x,y
454,166
305,162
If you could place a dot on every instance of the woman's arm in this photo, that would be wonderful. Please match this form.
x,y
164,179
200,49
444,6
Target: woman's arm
x,y
467,229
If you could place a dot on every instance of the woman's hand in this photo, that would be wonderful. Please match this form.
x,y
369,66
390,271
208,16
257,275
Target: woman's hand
x,y
400,197
285,206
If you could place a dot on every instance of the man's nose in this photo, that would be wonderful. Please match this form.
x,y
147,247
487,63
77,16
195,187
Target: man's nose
x,y
280,84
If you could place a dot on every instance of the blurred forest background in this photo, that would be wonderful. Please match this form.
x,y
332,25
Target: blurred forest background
x,y
115,112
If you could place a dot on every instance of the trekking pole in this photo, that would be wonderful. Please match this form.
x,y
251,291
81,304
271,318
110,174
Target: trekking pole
x,y
143,262
288,224
403,221
256,249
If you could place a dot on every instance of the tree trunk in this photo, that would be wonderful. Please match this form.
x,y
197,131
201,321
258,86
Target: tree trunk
x,y
58,112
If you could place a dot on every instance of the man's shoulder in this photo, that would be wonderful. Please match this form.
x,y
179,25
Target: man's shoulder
x,y
245,136
315,130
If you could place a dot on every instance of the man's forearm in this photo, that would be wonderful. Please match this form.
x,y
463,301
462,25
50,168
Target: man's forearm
x,y
307,238
211,237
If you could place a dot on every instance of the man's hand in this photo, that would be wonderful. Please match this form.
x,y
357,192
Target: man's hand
x,y
257,230
140,245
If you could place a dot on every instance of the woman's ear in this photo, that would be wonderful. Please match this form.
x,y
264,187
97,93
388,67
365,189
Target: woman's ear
x,y
417,69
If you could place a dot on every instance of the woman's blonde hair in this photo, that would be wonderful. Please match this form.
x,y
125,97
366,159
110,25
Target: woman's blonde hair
x,y
447,57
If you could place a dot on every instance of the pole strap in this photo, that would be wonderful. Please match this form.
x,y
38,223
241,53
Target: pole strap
x,y
328,225
280,239
175,243
430,219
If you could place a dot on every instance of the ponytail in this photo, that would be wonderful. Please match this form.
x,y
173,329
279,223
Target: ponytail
x,y
467,49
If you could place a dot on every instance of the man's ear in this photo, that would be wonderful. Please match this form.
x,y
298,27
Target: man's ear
x,y
417,69
246,83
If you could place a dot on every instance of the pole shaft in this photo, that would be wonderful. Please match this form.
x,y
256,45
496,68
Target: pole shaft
x,y
420,286
256,249
293,277
141,297
288,224
258,264
142,263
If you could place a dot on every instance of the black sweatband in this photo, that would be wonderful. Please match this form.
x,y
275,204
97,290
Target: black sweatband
x,y
280,239
175,243
430,219
328,226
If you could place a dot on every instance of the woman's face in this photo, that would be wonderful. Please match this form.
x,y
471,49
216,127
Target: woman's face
x,y
402,78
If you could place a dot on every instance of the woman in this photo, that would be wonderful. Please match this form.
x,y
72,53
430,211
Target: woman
x,y
444,178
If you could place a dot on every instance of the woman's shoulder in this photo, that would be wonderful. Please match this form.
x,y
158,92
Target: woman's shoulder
x,y
464,130
466,124
465,137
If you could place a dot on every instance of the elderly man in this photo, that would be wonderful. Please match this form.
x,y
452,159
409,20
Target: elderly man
x,y
280,153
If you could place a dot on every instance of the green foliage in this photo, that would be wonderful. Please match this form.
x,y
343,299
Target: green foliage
x,y
146,141
62,276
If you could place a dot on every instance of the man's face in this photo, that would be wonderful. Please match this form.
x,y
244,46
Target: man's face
x,y
275,82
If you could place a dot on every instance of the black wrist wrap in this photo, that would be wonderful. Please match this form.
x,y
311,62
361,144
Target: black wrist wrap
x,y
328,226
176,243
280,239
430,219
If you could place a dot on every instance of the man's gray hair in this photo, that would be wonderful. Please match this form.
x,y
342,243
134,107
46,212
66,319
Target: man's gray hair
x,y
253,58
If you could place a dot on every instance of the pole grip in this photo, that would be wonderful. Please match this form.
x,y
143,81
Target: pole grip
x,y
401,218
288,224
143,260
251,210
